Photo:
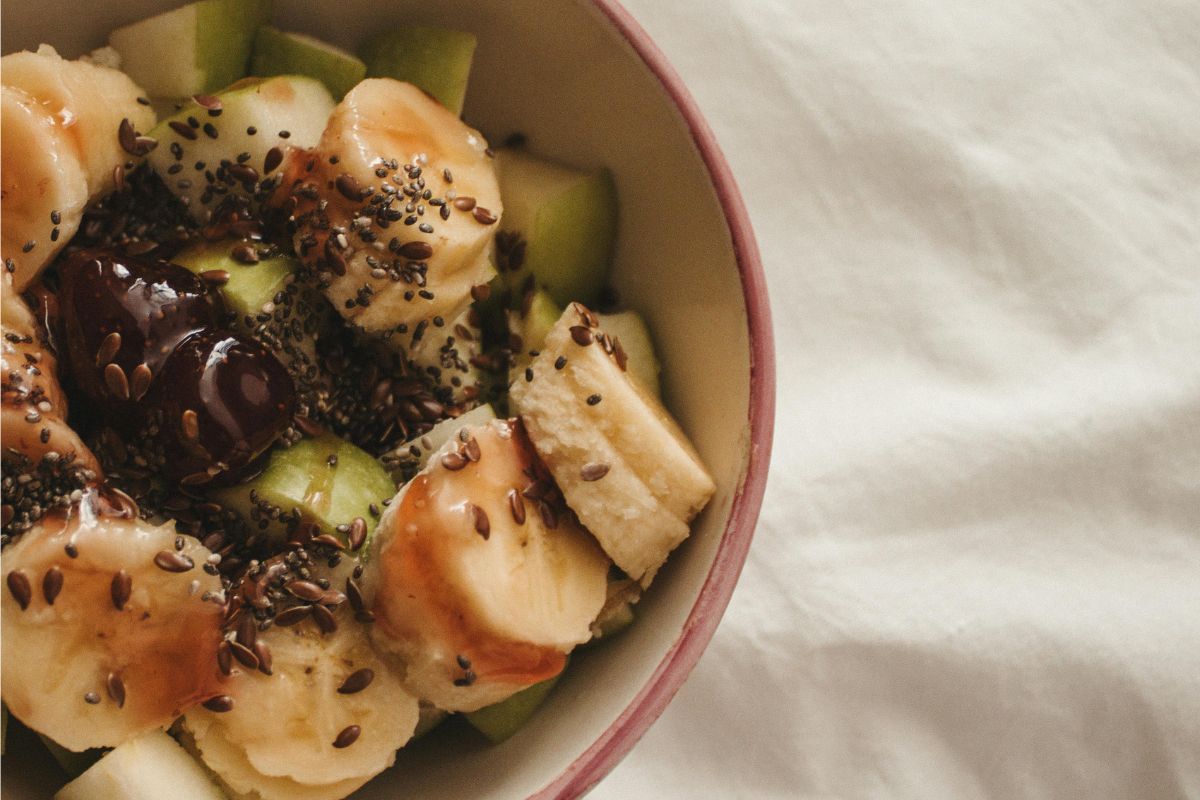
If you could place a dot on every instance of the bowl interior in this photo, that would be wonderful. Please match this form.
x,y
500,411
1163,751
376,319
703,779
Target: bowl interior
x,y
563,75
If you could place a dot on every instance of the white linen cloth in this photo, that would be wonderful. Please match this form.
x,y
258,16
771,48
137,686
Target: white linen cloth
x,y
977,571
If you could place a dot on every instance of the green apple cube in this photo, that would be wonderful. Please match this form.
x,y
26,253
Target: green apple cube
x,y
566,221
150,767
279,52
532,324
327,479
641,363
199,48
447,352
250,286
500,721
434,59
257,116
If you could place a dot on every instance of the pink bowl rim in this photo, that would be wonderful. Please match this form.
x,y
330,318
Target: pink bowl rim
x,y
599,759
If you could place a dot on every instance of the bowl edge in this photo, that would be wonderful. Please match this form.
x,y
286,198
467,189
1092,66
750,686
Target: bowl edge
x,y
620,737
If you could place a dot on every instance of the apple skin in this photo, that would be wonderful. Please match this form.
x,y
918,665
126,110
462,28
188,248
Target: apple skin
x,y
279,52
199,48
436,60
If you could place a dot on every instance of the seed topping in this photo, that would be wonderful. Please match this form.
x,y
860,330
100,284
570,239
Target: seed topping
x,y
139,382
272,160
357,535
482,526
263,652
115,380
170,561
593,471
516,505
108,349
19,588
121,589
244,655
52,584
357,681
347,737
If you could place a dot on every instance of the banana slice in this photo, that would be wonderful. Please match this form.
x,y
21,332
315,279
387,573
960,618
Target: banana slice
x,y
33,413
44,186
621,461
83,671
396,209
483,581
292,733
89,102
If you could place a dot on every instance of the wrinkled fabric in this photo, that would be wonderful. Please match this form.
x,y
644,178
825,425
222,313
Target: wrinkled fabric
x,y
977,570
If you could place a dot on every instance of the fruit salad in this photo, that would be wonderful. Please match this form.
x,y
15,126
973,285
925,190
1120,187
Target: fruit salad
x,y
318,409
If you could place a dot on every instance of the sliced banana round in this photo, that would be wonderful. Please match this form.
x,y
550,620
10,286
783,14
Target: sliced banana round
x,y
109,629
396,209
90,104
624,465
44,186
483,581
33,406
329,717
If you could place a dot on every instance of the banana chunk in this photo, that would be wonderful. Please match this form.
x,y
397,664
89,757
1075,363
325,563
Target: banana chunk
x,y
42,180
396,209
623,464
329,717
484,580
89,102
128,642
33,405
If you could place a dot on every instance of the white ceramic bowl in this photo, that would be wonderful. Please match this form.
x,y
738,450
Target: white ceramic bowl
x,y
587,86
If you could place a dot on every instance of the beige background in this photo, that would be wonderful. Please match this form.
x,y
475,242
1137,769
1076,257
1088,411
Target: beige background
x,y
978,568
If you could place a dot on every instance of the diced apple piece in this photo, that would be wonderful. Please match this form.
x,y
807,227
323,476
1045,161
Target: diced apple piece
x,y
500,721
259,118
446,353
201,47
150,767
630,329
328,480
617,614
436,60
279,52
566,221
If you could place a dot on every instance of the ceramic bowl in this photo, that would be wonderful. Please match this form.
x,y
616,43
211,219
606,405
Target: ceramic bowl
x,y
586,85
